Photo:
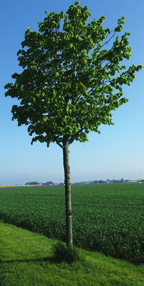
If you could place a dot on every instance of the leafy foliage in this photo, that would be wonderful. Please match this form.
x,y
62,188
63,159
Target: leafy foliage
x,y
61,253
55,101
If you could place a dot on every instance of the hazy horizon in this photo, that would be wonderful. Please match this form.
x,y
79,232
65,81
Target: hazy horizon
x,y
115,153
71,182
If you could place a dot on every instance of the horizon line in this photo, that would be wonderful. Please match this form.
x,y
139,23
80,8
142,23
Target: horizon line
x,y
75,182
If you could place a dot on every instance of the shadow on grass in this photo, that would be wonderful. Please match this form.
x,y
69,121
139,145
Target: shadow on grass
x,y
60,253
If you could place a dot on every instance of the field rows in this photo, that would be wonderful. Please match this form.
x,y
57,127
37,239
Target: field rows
x,y
105,218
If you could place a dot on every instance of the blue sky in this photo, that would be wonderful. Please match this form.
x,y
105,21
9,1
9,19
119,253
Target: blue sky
x,y
118,152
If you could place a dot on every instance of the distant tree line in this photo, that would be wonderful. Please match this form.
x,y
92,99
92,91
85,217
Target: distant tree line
x,y
108,181
81,183
32,183
37,183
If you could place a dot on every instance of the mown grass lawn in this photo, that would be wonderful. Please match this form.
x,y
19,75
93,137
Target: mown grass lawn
x,y
26,258
107,234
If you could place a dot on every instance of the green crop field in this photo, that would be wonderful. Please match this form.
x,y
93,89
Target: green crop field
x,y
106,218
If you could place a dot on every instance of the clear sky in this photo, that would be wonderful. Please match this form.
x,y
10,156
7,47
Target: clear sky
x,y
118,152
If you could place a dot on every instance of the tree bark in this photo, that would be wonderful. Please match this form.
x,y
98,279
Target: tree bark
x,y
69,237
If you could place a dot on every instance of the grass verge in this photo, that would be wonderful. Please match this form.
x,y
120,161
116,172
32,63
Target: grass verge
x,y
32,259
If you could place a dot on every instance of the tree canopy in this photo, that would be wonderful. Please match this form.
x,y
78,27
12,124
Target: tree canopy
x,y
51,98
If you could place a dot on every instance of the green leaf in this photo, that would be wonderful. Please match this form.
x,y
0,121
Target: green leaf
x,y
67,93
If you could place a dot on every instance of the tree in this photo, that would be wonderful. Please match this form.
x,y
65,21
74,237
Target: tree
x,y
53,100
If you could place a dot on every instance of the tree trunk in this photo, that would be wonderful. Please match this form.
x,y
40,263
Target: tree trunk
x,y
69,237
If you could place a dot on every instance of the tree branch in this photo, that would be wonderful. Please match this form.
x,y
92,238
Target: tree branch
x,y
108,40
75,136
57,140
69,90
